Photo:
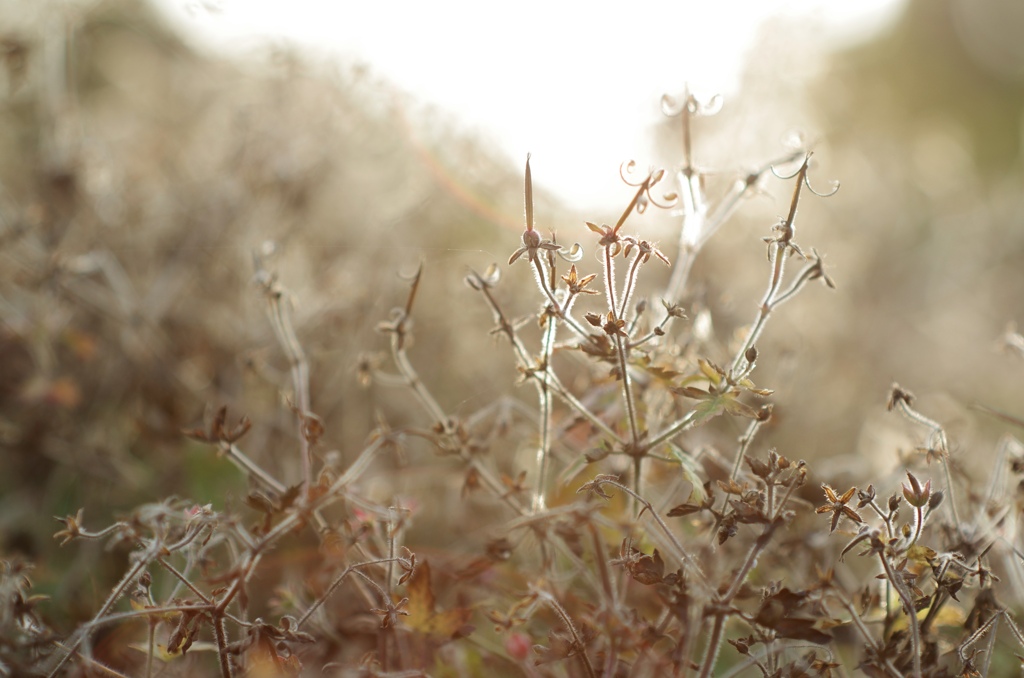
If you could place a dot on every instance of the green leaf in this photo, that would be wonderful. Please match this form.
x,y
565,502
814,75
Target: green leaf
x,y
713,372
709,408
690,469
749,385
711,405
735,407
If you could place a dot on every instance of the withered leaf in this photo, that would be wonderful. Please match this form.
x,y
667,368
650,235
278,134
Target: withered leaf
x,y
648,570
684,510
786,612
562,645
259,502
289,497
422,608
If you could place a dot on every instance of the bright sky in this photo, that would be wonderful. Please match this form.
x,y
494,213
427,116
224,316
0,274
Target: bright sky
x,y
574,83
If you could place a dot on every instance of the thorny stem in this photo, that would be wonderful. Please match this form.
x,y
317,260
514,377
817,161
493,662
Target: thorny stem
x,y
714,645
978,634
630,284
918,524
986,662
1013,627
221,636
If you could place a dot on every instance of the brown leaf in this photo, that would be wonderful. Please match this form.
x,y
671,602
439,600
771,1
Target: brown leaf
x,y
684,510
422,608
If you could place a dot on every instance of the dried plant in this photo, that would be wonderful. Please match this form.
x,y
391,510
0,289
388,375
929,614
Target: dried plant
x,y
626,530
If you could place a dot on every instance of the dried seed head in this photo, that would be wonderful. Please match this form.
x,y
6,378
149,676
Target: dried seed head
x,y
917,495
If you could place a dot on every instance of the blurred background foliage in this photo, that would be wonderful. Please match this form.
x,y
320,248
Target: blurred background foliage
x,y
138,177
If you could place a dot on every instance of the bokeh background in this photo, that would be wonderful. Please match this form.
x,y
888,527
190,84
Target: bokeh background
x,y
139,173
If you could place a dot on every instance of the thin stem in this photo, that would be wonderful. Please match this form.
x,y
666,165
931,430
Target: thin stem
x,y
251,468
745,440
869,639
609,281
630,284
748,563
713,647
779,248
778,255
150,647
544,423
937,440
338,581
392,529
183,579
647,508
578,643
806,274
281,320
600,558
908,604
627,389
105,532
673,430
118,591
523,357
413,380
221,636
652,334
541,276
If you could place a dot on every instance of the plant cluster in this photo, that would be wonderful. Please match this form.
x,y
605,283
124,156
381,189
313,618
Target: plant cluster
x,y
629,532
